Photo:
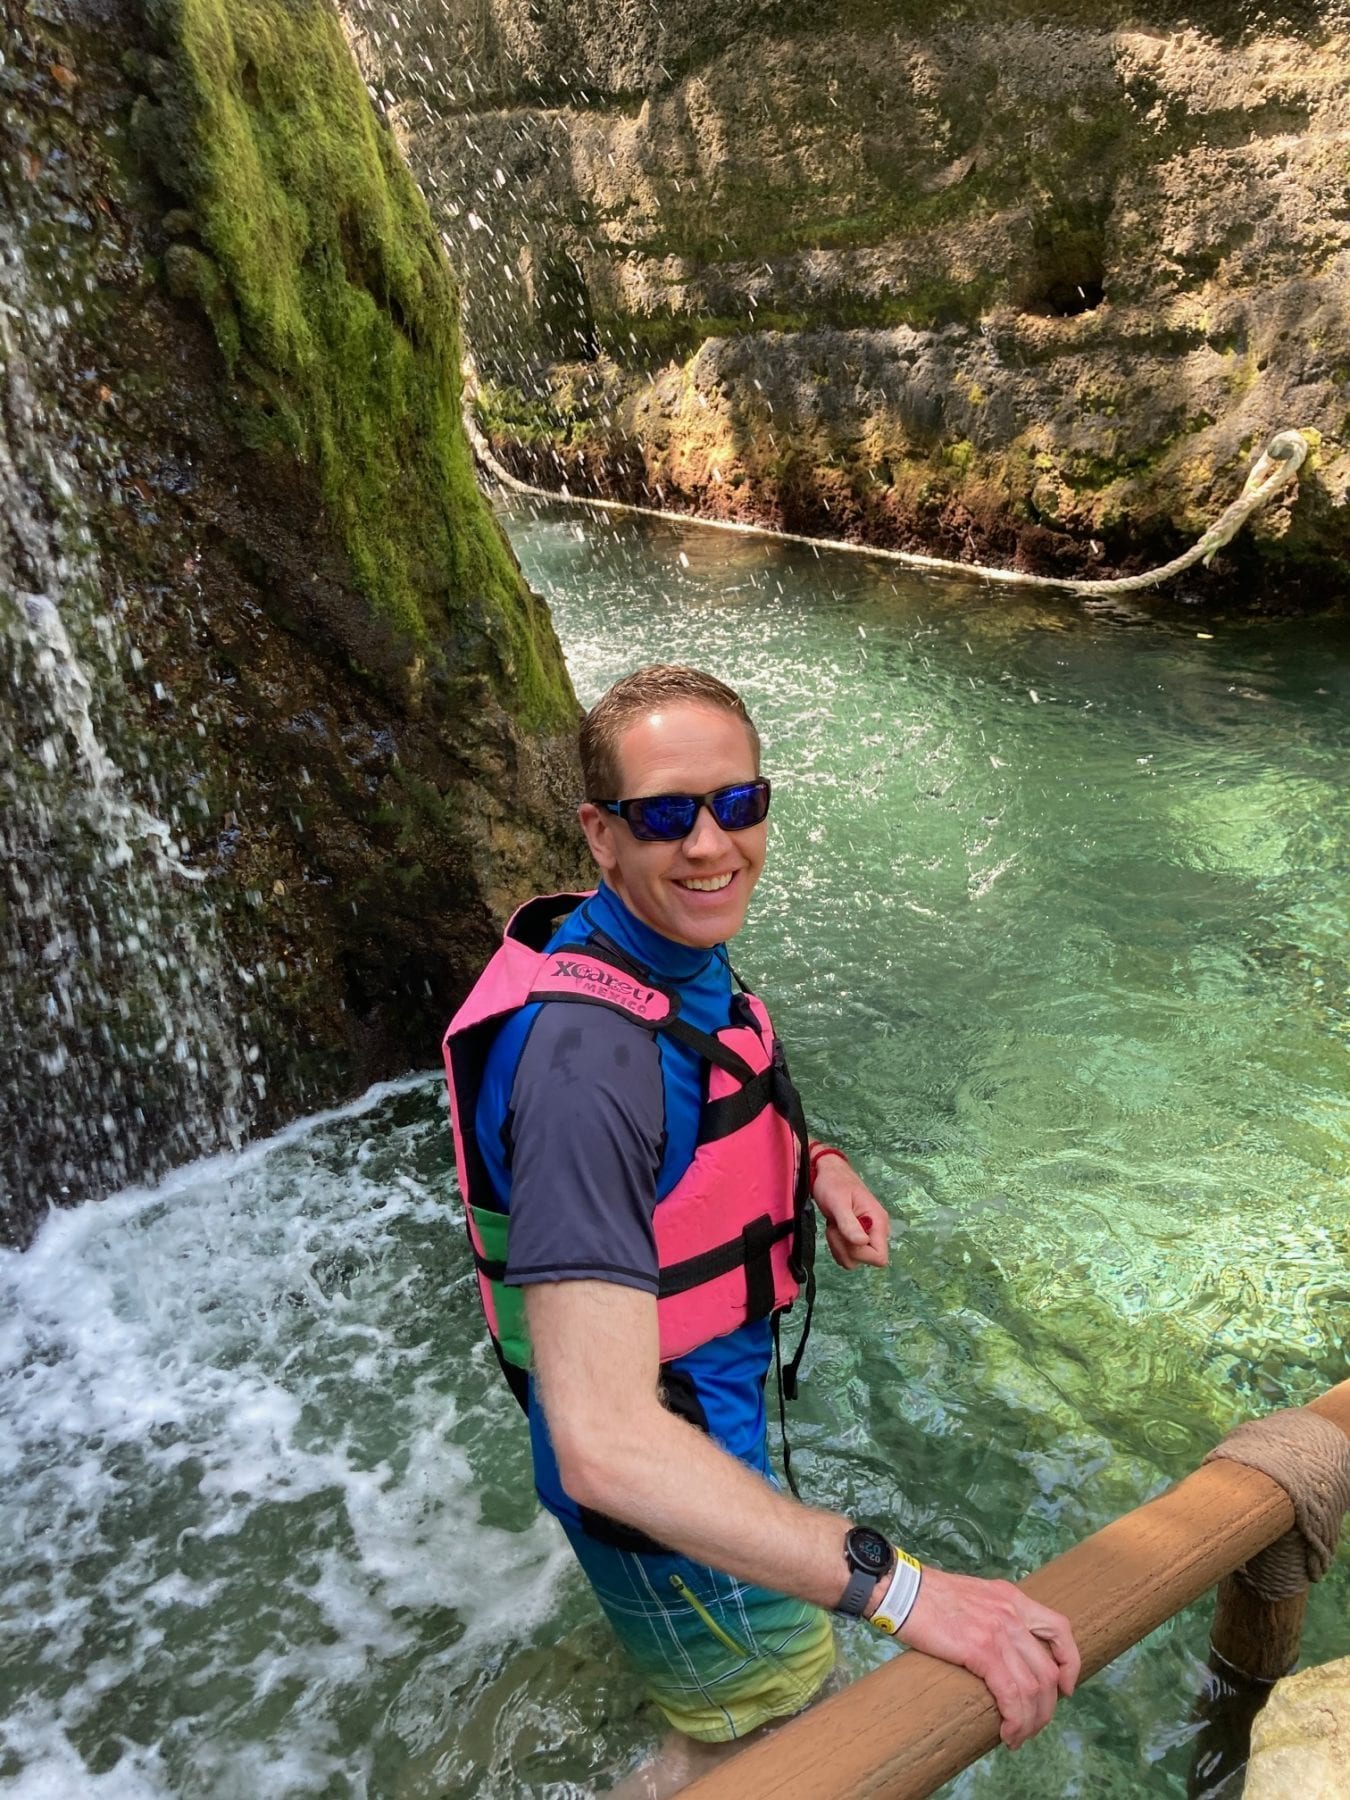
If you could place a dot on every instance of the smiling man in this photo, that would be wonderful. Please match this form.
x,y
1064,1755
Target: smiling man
x,y
641,1199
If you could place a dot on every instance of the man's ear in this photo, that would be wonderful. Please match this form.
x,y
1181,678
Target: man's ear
x,y
599,829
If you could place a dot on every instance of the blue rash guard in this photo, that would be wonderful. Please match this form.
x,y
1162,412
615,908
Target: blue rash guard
x,y
585,1123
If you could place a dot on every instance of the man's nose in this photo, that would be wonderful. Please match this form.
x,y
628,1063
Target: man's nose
x,y
707,837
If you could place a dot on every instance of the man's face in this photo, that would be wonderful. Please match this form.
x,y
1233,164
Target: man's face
x,y
694,891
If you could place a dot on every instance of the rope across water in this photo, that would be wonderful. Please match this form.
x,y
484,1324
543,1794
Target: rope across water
x,y
1277,464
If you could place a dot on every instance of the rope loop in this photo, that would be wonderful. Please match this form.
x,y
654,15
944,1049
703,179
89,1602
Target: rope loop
x,y
1309,1458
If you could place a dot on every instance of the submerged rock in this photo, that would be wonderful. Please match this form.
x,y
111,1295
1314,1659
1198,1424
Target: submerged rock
x,y
1301,1739
285,731
1018,285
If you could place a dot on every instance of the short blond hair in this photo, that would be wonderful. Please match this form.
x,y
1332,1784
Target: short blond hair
x,y
647,690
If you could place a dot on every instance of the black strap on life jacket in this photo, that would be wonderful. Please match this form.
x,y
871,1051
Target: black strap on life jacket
x,y
726,1115
488,1267
710,1048
518,1380
803,1260
750,1249
702,1043
535,922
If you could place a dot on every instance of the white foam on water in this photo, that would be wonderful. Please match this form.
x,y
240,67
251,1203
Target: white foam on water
x,y
54,1770
231,1492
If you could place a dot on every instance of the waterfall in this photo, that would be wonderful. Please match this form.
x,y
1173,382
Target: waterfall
x,y
118,1048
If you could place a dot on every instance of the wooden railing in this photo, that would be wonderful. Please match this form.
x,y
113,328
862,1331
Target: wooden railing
x,y
900,1732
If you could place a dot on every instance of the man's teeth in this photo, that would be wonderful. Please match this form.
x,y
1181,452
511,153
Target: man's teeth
x,y
711,885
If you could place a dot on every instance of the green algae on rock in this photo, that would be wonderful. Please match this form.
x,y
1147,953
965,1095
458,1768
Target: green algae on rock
x,y
342,333
308,653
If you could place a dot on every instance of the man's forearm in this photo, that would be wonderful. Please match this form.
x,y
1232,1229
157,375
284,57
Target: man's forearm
x,y
621,1453
677,1485
673,1482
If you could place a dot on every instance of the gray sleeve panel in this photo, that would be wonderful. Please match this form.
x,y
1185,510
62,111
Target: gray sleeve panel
x,y
587,1124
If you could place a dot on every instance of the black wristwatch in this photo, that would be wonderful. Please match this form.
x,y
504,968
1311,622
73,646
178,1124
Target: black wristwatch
x,y
869,1556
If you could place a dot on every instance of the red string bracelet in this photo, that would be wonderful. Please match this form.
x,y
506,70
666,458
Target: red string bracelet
x,y
818,1154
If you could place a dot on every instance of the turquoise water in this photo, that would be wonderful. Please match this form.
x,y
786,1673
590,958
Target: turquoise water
x,y
1054,924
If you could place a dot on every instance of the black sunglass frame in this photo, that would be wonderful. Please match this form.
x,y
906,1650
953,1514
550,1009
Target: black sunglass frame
x,y
627,810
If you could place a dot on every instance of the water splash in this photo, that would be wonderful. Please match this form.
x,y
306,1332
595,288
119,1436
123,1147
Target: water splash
x,y
118,1054
245,1439
116,818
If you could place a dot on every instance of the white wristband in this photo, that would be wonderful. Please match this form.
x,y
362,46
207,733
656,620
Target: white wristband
x,y
898,1601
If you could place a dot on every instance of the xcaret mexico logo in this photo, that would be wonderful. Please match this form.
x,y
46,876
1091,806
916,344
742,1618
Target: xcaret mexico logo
x,y
571,974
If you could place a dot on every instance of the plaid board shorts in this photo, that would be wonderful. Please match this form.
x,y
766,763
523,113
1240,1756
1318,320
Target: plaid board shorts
x,y
719,1657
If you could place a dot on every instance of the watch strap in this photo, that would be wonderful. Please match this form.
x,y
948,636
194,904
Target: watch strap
x,y
855,1595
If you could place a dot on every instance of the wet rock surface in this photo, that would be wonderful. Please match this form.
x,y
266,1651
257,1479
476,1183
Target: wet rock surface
x,y
1027,285
1301,1739
330,726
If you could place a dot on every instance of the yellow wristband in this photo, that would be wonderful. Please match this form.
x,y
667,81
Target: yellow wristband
x,y
897,1603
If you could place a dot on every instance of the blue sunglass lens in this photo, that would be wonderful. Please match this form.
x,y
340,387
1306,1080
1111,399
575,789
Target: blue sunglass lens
x,y
737,808
669,816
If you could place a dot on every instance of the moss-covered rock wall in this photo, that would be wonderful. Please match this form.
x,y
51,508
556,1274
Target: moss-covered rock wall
x,y
310,649
306,242
1002,278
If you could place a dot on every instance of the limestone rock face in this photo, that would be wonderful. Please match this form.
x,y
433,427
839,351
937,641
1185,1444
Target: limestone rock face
x,y
1301,1739
283,733
1025,282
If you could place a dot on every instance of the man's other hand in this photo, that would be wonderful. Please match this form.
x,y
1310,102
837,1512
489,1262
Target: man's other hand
x,y
857,1225
1024,1653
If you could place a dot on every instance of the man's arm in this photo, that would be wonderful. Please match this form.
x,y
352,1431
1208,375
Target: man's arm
x,y
597,1363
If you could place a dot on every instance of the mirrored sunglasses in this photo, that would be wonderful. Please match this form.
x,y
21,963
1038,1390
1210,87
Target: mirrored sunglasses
x,y
662,818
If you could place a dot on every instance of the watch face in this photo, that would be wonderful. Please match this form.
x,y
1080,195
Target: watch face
x,y
869,1550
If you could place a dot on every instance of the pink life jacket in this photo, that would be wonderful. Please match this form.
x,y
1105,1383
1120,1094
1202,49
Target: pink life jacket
x,y
735,1236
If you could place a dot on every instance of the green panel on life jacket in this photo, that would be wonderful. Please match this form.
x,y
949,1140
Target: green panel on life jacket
x,y
509,1302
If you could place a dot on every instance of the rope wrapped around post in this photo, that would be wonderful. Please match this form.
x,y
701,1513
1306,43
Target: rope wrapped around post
x,y
1309,1458
1259,1608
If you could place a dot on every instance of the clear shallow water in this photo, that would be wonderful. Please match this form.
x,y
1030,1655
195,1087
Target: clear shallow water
x,y
1054,923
